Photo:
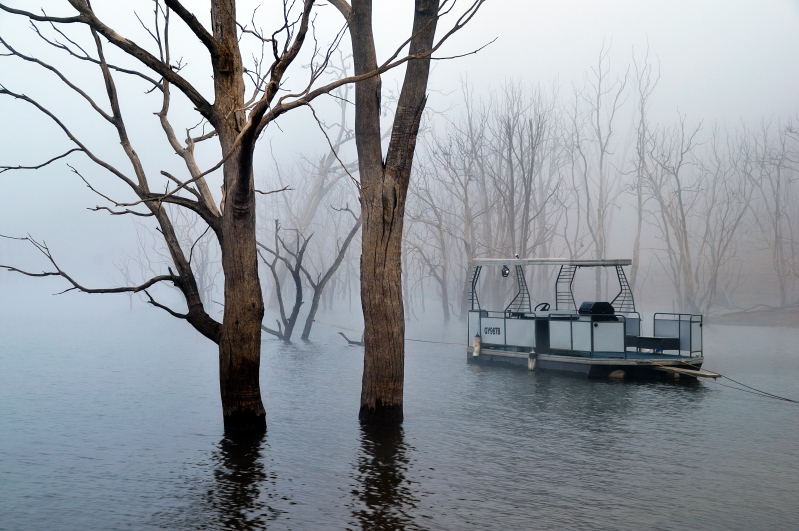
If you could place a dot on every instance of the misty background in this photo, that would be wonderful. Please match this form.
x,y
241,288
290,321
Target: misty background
x,y
510,161
576,128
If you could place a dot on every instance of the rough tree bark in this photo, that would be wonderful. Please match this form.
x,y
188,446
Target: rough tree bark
x,y
384,186
383,190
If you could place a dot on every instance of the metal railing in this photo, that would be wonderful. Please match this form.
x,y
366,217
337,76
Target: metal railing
x,y
687,327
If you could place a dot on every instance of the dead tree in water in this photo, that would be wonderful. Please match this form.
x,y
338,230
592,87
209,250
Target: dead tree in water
x,y
293,263
429,243
244,101
646,80
384,185
456,164
593,134
771,169
320,282
700,200
327,171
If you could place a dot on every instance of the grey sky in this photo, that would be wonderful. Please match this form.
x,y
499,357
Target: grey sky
x,y
720,60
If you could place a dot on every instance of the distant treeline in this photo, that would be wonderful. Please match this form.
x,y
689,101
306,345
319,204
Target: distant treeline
x,y
702,209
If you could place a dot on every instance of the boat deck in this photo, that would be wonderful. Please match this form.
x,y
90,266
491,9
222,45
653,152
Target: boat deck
x,y
644,365
630,356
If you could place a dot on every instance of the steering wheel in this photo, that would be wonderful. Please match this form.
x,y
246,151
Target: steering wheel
x,y
544,306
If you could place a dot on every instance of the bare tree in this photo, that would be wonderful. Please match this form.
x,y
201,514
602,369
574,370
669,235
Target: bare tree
x,y
384,185
456,164
670,151
646,81
326,171
770,170
292,260
600,188
320,281
430,241
701,203
245,101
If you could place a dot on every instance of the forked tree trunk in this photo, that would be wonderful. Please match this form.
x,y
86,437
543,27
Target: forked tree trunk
x,y
240,335
383,190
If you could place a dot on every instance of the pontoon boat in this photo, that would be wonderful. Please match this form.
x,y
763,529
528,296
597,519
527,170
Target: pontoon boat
x,y
597,339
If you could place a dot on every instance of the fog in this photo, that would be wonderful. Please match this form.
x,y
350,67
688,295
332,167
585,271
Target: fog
x,y
724,65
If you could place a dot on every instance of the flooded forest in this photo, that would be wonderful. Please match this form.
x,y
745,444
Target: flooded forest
x,y
707,211
217,216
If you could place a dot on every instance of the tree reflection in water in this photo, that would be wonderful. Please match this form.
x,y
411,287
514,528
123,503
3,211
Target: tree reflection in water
x,y
239,476
382,488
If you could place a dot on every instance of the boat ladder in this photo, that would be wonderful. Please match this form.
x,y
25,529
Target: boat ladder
x,y
624,301
473,300
564,298
521,302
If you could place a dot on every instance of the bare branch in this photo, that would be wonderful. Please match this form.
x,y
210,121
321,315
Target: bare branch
x,y
87,57
42,18
177,181
42,165
119,213
343,6
165,308
61,76
284,189
88,17
308,95
194,25
42,248
333,149
69,134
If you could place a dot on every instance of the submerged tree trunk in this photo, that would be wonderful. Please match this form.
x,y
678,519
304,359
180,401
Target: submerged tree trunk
x,y
383,191
240,335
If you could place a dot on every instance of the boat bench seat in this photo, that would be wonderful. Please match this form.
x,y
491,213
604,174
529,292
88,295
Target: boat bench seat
x,y
656,343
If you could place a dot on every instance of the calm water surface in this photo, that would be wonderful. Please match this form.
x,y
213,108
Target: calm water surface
x,y
111,420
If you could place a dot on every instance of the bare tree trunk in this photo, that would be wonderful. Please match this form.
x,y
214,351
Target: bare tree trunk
x,y
240,335
383,190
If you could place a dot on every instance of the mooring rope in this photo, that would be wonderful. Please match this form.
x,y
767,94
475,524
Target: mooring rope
x,y
406,339
753,391
756,392
337,326
764,392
